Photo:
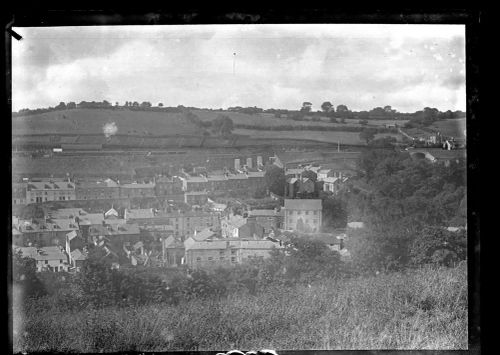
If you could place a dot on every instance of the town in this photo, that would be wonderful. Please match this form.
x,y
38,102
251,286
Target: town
x,y
202,188
190,228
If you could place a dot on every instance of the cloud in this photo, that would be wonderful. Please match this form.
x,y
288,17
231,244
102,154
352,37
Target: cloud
x,y
276,66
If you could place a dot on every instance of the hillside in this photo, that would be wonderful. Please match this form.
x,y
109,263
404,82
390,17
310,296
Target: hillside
x,y
453,127
85,121
418,309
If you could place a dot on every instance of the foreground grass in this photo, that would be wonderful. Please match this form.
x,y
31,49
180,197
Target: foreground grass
x,y
422,309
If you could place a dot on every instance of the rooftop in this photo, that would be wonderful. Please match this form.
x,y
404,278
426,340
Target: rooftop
x,y
45,253
303,204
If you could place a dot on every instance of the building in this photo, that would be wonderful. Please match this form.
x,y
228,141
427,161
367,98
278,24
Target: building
x,y
19,196
49,190
49,232
194,183
137,190
303,215
166,186
179,223
50,258
195,198
268,219
173,251
115,236
225,252
235,226
331,184
97,190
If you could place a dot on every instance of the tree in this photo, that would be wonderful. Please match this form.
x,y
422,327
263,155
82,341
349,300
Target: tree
x,y
275,180
306,107
24,275
222,125
61,106
160,104
342,109
334,213
367,134
326,106
71,105
146,104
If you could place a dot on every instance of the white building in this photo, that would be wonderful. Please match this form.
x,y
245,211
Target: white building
x,y
303,215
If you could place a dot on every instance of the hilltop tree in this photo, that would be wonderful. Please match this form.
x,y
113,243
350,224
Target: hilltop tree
x,y
342,109
71,105
146,104
306,107
160,104
327,106
61,106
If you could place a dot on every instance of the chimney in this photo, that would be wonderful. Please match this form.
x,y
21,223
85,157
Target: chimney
x,y
249,162
236,164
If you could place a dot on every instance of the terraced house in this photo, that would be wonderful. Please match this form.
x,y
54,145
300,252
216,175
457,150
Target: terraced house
x,y
49,190
219,252
96,190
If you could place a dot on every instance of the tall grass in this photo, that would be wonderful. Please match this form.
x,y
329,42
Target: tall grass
x,y
419,309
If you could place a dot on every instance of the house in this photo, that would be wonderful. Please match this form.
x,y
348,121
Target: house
x,y
97,190
303,215
166,186
194,183
213,253
268,219
173,251
324,173
137,190
19,195
179,223
195,197
236,226
49,190
115,235
306,186
77,258
331,184
49,232
49,258
292,187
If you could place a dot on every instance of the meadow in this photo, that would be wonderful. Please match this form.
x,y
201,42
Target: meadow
x,y
80,121
319,136
423,308
450,127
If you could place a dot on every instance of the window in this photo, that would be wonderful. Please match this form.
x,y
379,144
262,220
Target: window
x,y
299,212
60,261
307,213
198,259
210,258
233,259
315,213
233,252
46,262
221,258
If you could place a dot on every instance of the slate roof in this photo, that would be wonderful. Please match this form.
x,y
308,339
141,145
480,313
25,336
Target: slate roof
x,y
303,204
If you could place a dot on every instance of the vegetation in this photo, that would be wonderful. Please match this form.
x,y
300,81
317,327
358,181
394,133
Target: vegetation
x,y
423,309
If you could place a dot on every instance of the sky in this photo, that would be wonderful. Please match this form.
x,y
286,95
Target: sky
x,y
408,67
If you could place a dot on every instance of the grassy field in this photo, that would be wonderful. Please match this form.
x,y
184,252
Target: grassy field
x,y
454,127
79,121
84,121
327,137
420,309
